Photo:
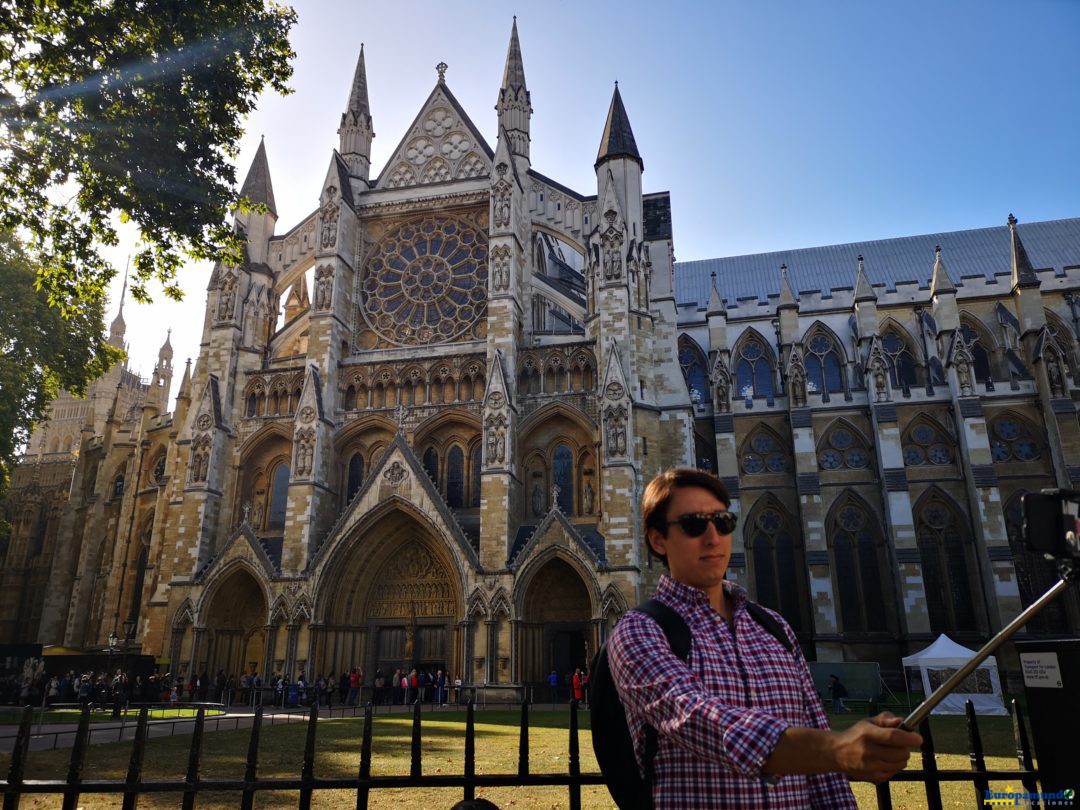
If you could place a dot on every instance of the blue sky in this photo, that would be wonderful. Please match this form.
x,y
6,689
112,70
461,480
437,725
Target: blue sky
x,y
774,124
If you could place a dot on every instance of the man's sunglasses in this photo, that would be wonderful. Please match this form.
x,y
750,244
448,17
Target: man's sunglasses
x,y
696,524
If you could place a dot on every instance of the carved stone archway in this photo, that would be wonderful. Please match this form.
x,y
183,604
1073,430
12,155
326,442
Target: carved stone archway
x,y
557,622
235,619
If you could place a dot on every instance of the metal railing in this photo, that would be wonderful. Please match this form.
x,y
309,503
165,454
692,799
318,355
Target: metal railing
x,y
468,782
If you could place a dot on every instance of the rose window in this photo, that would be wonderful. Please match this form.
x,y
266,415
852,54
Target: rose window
x,y
426,282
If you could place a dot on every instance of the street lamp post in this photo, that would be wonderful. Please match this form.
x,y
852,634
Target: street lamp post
x,y
113,641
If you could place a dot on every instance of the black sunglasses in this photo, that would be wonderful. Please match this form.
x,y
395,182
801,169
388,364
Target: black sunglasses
x,y
696,524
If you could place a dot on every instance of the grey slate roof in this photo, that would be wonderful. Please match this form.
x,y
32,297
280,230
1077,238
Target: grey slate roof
x,y
618,138
983,252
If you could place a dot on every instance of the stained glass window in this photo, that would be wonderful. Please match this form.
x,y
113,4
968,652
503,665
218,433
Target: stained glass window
x,y
901,361
1012,440
763,453
474,501
356,476
946,574
926,443
981,360
426,281
455,478
823,366
858,568
279,497
843,449
778,563
564,478
693,366
431,464
753,369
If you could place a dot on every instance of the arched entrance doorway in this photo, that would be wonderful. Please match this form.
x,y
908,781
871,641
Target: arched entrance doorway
x,y
235,623
557,627
396,601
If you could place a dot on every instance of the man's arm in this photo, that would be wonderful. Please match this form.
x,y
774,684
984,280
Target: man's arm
x,y
871,750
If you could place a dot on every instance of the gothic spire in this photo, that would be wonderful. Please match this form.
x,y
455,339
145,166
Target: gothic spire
x,y
863,289
515,105
358,97
1023,274
118,326
257,186
165,353
941,282
618,139
356,133
787,296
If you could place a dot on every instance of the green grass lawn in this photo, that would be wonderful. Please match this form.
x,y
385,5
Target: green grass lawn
x,y
338,747
10,716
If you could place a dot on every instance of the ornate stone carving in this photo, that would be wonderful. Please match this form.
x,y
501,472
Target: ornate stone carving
x,y
305,451
329,230
307,414
496,400
589,498
537,500
496,439
324,287
413,584
615,430
501,196
1054,376
200,458
227,298
614,390
395,474
204,421
500,268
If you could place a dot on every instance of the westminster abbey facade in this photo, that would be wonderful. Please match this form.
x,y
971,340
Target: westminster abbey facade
x,y
421,420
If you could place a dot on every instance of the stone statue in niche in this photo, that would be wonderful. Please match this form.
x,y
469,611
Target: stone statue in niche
x,y
257,513
556,490
881,383
1055,377
227,300
328,237
589,498
723,394
538,500
615,421
798,388
324,287
502,205
963,376
612,263
305,451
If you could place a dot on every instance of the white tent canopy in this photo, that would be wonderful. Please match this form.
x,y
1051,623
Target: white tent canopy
x,y
938,661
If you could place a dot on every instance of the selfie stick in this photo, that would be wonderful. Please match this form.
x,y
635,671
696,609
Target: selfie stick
x,y
1069,572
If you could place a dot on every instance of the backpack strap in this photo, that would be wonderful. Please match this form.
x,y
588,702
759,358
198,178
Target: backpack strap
x,y
769,622
678,637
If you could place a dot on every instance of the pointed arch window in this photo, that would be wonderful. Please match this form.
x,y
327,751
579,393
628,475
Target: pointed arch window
x,y
944,550
356,476
252,400
350,398
431,464
824,365
843,449
903,370
980,357
118,486
564,478
926,443
754,368
1012,439
1034,575
778,563
858,561
693,364
477,464
455,478
279,497
763,453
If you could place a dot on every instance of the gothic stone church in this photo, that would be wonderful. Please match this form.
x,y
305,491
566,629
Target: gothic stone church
x,y
421,420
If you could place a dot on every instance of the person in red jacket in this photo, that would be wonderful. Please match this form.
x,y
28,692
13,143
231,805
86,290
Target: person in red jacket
x,y
578,682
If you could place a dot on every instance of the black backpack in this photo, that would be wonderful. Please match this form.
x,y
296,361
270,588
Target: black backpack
x,y
611,738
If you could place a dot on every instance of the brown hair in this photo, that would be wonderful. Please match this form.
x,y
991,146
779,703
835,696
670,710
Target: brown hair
x,y
654,503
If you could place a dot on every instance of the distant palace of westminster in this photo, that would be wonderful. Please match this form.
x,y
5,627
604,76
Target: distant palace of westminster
x,y
422,417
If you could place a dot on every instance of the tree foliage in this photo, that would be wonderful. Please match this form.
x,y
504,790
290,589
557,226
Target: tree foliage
x,y
40,352
131,108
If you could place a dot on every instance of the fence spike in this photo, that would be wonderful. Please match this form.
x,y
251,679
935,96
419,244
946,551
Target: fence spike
x,y
470,751
191,780
363,789
247,800
978,761
307,770
138,750
523,740
17,768
574,759
1023,752
78,759
415,769
930,768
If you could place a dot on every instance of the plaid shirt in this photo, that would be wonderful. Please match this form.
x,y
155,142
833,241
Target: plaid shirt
x,y
720,714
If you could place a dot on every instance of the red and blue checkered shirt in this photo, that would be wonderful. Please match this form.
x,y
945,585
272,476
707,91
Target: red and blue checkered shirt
x,y
720,714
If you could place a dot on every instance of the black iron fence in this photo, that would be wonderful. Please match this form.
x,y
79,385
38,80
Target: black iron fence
x,y
468,782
